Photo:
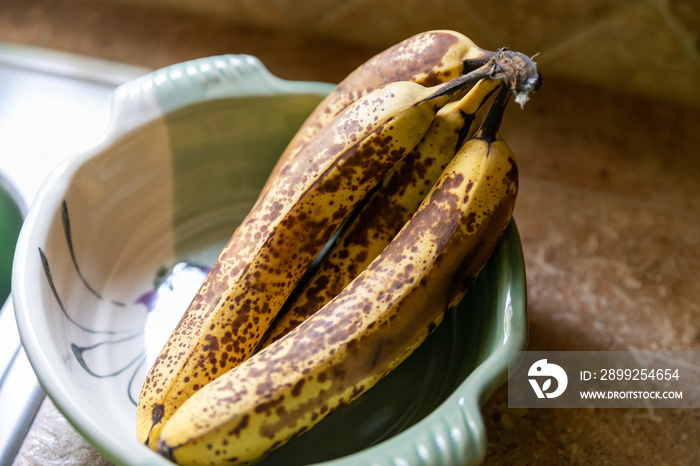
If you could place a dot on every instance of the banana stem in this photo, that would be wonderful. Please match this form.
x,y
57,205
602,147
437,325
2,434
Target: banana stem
x,y
518,71
492,122
470,64
459,83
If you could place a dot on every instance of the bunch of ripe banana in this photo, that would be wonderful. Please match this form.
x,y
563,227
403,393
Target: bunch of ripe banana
x,y
404,166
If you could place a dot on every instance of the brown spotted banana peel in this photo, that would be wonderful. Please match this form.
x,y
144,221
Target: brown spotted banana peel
x,y
274,245
385,211
428,58
368,328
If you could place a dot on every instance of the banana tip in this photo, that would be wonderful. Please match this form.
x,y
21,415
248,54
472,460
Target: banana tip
x,y
527,87
521,98
164,450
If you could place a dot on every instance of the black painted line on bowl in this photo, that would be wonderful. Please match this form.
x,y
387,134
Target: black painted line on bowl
x,y
69,240
49,277
132,380
79,351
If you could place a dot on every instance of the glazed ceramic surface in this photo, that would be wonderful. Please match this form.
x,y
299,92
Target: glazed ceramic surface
x,y
11,216
120,238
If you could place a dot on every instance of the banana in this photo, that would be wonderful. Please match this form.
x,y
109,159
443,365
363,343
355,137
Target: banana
x,y
270,251
369,327
428,58
387,209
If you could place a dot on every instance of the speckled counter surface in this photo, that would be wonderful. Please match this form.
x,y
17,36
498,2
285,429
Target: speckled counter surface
x,y
608,212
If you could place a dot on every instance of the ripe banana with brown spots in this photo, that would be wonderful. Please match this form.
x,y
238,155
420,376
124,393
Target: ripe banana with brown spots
x,y
270,251
428,58
385,211
368,328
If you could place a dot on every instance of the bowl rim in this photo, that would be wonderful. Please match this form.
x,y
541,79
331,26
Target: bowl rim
x,y
163,92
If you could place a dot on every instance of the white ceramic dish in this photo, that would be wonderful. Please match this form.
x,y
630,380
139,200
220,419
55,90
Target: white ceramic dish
x,y
119,237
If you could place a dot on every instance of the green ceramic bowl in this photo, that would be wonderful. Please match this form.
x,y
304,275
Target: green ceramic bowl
x,y
11,217
118,239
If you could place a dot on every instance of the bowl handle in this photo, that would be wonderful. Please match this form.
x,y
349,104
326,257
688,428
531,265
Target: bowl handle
x,y
172,88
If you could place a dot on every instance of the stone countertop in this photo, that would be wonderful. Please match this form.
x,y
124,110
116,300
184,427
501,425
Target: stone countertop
x,y
608,212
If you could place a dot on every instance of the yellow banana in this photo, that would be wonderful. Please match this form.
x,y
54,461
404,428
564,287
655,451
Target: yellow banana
x,y
368,328
387,209
429,58
272,248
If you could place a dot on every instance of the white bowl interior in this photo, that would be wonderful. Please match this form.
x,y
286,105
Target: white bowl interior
x,y
169,193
